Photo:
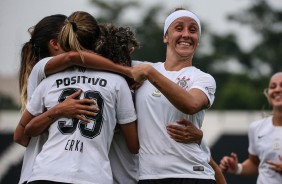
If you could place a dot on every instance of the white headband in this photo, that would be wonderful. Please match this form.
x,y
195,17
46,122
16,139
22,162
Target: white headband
x,y
181,13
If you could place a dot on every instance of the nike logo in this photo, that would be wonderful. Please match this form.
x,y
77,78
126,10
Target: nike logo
x,y
261,136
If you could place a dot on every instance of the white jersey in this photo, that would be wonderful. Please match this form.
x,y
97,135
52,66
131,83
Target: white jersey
x,y
123,163
32,150
35,144
159,155
204,146
76,152
265,141
36,76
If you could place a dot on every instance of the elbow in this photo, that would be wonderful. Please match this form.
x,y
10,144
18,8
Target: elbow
x,y
17,138
190,109
21,140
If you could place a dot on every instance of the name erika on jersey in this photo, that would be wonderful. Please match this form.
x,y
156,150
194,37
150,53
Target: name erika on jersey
x,y
81,79
74,145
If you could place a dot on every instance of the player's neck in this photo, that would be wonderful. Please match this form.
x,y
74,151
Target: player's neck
x,y
277,119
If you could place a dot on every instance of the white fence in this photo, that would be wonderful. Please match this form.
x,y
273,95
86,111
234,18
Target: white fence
x,y
215,124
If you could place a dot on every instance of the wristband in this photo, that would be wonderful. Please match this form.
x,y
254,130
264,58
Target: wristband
x,y
239,169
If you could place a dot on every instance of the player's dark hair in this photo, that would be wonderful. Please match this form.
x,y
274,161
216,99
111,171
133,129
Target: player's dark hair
x,y
115,43
37,48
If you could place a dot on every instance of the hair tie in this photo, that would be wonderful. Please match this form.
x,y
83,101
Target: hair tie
x,y
31,41
74,26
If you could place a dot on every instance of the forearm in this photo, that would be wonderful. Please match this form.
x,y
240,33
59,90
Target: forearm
x,y
91,60
219,177
41,123
19,136
95,61
185,101
249,168
129,131
69,108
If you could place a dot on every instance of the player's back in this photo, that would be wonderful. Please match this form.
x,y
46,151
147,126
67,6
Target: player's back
x,y
77,151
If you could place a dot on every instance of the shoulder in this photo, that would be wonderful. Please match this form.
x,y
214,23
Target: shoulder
x,y
202,74
202,78
136,62
261,123
37,73
41,63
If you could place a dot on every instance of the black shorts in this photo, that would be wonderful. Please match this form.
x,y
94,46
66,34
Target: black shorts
x,y
177,181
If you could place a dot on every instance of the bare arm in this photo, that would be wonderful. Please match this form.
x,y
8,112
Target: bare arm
x,y
70,108
229,164
91,60
189,102
19,136
129,131
250,166
219,177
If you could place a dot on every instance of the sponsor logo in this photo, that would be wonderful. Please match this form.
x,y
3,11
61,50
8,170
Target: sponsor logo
x,y
198,168
156,93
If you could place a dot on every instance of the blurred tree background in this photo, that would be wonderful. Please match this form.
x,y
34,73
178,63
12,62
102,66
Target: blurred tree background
x,y
241,75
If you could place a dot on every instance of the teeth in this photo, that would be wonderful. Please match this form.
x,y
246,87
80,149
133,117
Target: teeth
x,y
185,43
278,97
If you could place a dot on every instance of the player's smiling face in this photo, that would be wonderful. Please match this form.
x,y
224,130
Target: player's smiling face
x,y
182,36
275,90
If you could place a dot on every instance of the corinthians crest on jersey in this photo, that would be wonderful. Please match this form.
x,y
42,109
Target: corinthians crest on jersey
x,y
183,82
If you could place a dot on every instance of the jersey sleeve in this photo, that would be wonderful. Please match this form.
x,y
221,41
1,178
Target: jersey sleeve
x,y
36,76
136,62
251,135
125,107
36,104
207,84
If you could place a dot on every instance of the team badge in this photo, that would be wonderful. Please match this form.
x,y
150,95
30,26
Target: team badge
x,y
183,82
156,93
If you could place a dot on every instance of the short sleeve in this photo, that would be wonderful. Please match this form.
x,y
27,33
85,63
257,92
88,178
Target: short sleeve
x,y
35,105
36,76
251,135
136,63
125,107
207,84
